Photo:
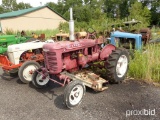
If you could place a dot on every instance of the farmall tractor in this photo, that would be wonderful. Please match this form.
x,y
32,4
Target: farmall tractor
x,y
23,58
65,62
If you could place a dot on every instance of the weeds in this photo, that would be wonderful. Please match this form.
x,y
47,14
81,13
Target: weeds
x,y
10,31
48,33
146,64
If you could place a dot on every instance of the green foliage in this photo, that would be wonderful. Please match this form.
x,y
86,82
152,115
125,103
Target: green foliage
x,y
138,12
83,11
11,5
102,14
8,5
64,27
10,32
146,65
155,16
22,5
1,9
98,25
48,33
138,71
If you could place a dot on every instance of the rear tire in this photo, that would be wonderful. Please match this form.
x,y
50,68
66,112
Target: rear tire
x,y
26,71
73,94
117,65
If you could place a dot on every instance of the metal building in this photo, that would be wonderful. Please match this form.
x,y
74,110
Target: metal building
x,y
37,18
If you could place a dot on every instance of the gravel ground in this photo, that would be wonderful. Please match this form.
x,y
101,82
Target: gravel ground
x,y
120,102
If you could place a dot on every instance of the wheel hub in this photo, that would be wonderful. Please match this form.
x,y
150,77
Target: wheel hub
x,y
31,72
121,67
28,71
41,80
76,95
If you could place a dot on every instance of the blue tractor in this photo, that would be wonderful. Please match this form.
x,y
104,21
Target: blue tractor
x,y
126,40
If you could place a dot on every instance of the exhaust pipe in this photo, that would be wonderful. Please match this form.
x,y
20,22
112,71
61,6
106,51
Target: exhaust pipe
x,y
71,26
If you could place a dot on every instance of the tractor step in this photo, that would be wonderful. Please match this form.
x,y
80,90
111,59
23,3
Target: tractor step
x,y
89,79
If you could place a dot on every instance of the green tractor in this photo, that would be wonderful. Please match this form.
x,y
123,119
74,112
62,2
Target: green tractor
x,y
6,40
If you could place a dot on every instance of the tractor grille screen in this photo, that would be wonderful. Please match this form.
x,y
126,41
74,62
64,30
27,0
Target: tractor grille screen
x,y
51,61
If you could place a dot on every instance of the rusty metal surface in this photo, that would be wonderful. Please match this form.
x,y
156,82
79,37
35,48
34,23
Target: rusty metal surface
x,y
89,79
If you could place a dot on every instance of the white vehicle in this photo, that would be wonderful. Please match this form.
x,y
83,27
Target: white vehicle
x,y
23,58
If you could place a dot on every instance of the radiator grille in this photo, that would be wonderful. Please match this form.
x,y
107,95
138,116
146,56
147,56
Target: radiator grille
x,y
51,60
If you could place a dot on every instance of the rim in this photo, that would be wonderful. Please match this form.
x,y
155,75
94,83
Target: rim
x,y
76,94
122,65
28,71
40,80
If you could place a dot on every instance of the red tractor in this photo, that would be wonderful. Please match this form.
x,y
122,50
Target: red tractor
x,y
65,60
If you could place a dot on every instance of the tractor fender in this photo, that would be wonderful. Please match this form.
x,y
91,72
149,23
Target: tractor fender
x,y
106,51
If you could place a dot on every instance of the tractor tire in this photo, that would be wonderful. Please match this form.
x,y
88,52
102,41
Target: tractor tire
x,y
117,65
13,73
38,81
26,71
73,94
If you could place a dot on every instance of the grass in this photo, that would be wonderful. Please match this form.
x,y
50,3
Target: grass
x,y
146,64
48,33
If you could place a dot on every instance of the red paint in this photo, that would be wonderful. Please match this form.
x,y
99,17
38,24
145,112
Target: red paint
x,y
106,51
69,63
70,56
7,65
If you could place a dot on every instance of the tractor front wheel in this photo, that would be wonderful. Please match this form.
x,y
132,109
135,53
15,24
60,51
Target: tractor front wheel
x,y
74,93
117,65
40,80
26,71
13,72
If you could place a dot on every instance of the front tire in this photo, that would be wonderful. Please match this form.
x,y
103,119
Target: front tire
x,y
13,73
38,80
117,65
73,94
26,71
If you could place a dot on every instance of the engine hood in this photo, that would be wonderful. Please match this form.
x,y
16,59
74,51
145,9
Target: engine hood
x,y
25,46
69,45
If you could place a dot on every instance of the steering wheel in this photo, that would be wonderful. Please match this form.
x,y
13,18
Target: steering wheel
x,y
91,33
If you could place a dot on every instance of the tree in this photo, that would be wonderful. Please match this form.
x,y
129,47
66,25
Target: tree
x,y
138,12
83,10
11,5
117,8
59,7
155,12
1,9
22,6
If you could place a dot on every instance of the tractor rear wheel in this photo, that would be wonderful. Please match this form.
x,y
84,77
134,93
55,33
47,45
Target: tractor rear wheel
x,y
73,94
39,80
117,65
26,71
